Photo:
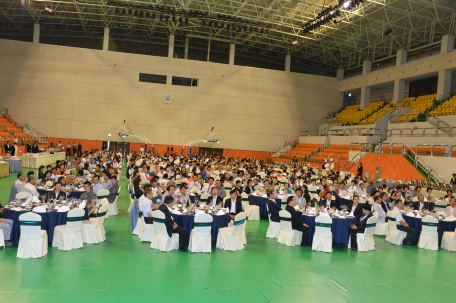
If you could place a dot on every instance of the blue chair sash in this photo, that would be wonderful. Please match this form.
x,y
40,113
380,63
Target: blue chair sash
x,y
239,222
30,223
323,224
101,214
73,219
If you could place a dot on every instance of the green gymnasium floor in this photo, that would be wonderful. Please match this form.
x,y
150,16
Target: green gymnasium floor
x,y
124,270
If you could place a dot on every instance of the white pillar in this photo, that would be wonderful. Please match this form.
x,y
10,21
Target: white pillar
x,y
447,44
401,57
36,33
232,51
399,91
444,84
367,67
340,74
365,96
171,46
106,39
287,63
186,48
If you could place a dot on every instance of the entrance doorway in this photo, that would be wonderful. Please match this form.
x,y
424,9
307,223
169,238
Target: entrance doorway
x,y
122,147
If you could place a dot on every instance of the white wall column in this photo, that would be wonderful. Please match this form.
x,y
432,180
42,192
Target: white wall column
x,y
340,74
401,57
399,91
36,33
365,96
447,44
367,67
106,39
232,52
287,63
444,84
171,46
186,48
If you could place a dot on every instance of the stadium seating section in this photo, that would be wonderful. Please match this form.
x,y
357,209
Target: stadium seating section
x,y
419,106
302,150
353,115
445,109
9,129
379,114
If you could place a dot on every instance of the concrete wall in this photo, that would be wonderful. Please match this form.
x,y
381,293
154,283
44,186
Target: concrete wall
x,y
445,166
86,94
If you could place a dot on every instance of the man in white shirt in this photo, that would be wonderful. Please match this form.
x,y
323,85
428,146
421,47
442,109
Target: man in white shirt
x,y
451,209
17,186
147,206
31,185
106,183
402,225
208,187
342,190
353,188
299,198
378,208
194,183
182,196
96,184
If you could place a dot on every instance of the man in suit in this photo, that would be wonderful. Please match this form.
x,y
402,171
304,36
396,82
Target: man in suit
x,y
384,203
338,201
113,190
28,147
324,203
234,204
453,180
171,226
214,199
35,148
420,204
273,207
360,169
57,193
354,209
8,147
359,226
297,224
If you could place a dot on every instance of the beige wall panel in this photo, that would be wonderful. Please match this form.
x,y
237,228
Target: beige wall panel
x,y
86,94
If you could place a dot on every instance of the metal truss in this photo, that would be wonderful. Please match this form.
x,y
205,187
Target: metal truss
x,y
359,35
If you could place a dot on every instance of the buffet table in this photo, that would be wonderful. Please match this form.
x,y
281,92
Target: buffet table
x,y
4,169
35,160
14,164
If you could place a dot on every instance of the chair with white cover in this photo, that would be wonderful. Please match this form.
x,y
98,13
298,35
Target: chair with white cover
x,y
449,240
227,187
258,187
381,228
429,238
102,198
33,242
200,237
440,206
93,230
23,195
139,228
69,236
27,190
288,235
147,231
112,210
231,238
394,235
160,239
322,240
204,198
284,202
131,191
366,241
274,227
2,239
252,211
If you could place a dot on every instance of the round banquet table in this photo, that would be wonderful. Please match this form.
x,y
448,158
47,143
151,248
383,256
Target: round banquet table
x,y
262,202
188,222
416,224
48,222
73,194
339,228
15,165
